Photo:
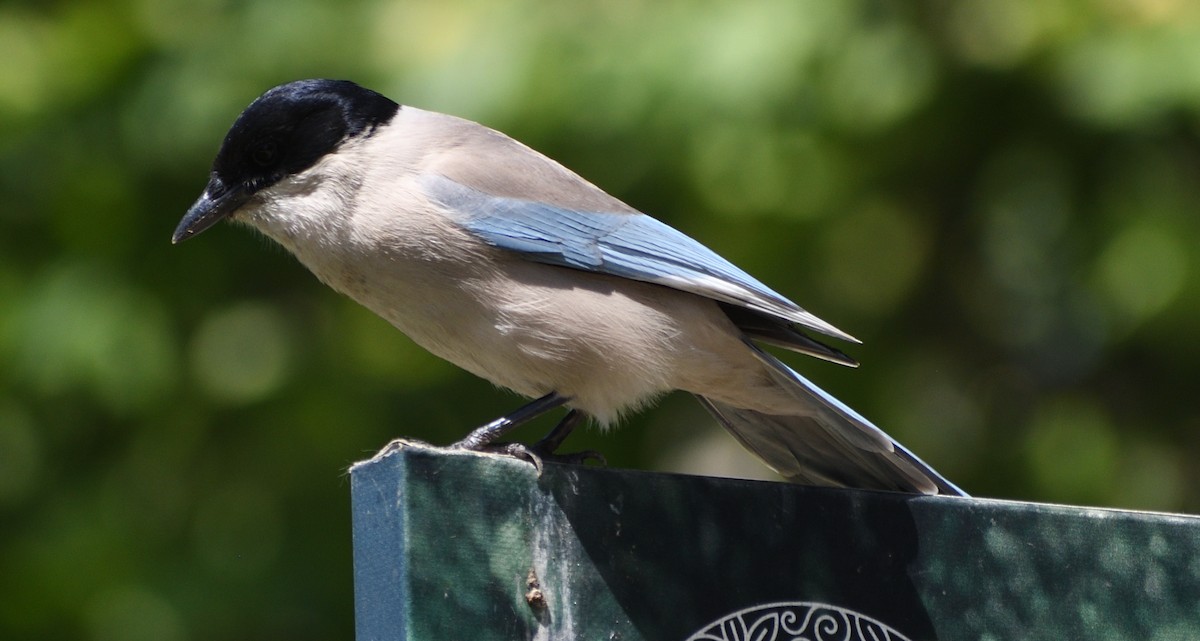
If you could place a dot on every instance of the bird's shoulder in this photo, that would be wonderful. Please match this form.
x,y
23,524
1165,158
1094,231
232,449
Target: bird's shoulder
x,y
491,162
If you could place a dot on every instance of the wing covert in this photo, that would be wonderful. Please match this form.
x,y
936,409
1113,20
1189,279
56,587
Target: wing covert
x,y
630,245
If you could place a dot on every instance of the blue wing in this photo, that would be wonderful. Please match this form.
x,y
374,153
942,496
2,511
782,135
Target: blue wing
x,y
629,245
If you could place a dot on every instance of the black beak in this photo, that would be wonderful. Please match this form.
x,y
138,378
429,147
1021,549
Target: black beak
x,y
218,201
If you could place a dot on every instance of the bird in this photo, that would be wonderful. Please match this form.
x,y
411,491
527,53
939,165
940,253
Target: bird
x,y
507,264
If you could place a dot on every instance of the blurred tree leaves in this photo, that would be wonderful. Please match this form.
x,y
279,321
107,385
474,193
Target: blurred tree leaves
x,y
999,198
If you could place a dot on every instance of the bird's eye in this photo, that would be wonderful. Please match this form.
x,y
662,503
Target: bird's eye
x,y
263,154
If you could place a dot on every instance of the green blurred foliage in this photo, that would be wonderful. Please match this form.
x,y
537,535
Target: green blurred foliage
x,y
999,198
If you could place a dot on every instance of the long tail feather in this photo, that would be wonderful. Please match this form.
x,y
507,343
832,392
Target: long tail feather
x,y
781,332
826,442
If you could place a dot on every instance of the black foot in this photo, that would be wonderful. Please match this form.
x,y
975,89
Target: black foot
x,y
484,435
578,458
548,446
537,455
483,438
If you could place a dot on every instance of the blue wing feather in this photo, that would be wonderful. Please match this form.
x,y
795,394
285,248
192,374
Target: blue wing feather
x,y
629,245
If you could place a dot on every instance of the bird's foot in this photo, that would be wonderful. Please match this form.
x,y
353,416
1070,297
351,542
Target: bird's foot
x,y
535,454
482,439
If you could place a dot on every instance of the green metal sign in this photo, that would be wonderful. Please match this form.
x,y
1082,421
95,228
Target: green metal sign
x,y
468,546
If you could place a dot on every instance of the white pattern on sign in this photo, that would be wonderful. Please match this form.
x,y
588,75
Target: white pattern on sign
x,y
797,621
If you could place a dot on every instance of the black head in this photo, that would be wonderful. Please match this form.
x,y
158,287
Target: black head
x,y
285,131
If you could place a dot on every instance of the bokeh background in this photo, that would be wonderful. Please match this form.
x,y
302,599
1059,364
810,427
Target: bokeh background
x,y
999,198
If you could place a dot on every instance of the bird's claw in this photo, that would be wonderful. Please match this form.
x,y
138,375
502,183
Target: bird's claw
x,y
534,454
578,458
518,451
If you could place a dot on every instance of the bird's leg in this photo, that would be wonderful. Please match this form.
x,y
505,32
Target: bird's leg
x,y
483,436
549,444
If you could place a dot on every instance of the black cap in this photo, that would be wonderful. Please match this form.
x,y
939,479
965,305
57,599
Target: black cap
x,y
285,131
